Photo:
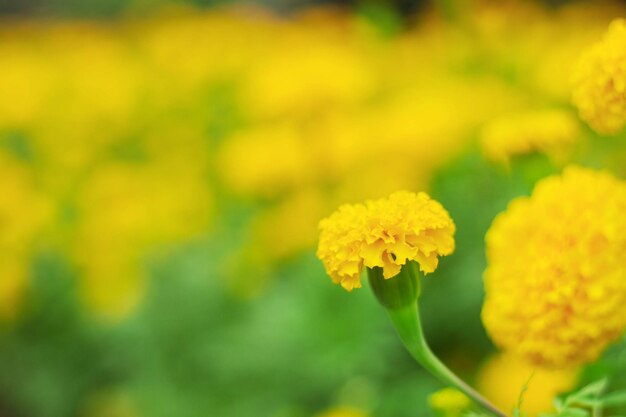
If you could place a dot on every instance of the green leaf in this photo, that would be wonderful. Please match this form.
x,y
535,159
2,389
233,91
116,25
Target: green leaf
x,y
575,412
595,389
559,403
614,399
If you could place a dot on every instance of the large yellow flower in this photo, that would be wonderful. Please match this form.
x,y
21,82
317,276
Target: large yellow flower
x,y
599,81
384,233
556,278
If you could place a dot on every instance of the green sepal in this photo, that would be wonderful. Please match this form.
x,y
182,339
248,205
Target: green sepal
x,y
399,291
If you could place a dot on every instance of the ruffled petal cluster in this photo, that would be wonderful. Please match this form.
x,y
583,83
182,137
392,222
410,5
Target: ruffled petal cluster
x,y
384,233
599,82
556,277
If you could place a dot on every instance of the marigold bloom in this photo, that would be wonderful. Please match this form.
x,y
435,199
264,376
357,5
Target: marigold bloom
x,y
599,81
556,279
549,131
384,233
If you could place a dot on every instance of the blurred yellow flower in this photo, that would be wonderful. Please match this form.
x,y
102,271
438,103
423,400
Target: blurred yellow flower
x,y
599,81
384,233
25,81
110,403
449,402
502,378
290,79
548,131
556,280
278,233
343,412
25,214
188,49
13,283
265,161
124,212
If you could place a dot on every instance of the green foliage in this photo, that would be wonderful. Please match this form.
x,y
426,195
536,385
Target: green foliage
x,y
592,400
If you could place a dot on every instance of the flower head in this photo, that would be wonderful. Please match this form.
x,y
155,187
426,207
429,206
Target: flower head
x,y
384,233
556,279
599,81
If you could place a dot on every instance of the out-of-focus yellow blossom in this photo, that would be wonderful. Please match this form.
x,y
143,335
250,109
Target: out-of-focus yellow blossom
x,y
113,278
599,81
186,50
502,378
89,67
343,412
276,234
180,147
279,232
24,209
291,79
549,131
558,46
265,161
384,233
556,280
449,402
351,147
25,213
13,282
124,213
529,45
26,82
110,403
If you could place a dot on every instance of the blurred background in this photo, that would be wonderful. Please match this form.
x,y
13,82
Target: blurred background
x,y
164,165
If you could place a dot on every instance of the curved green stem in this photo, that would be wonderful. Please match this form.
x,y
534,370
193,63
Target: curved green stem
x,y
407,323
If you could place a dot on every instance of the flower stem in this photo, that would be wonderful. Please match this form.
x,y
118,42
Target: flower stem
x,y
407,323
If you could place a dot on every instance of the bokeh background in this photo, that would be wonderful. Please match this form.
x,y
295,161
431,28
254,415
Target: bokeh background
x,y
164,165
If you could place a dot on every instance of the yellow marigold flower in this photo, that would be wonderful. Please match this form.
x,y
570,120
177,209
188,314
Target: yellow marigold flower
x,y
110,403
548,131
384,233
599,81
265,161
503,377
449,402
343,412
556,279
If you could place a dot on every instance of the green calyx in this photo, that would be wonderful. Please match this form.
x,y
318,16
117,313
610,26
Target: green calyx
x,y
399,291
